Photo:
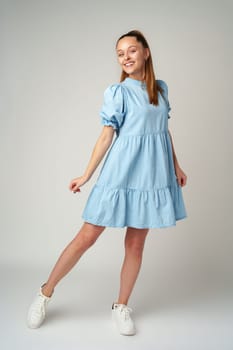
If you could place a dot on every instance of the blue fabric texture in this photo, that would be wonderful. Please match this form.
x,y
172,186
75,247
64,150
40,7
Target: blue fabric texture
x,y
137,185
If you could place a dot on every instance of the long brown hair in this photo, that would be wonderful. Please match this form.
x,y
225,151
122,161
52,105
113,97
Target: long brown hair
x,y
152,87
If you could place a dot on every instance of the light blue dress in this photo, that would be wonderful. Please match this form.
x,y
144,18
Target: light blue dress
x,y
137,184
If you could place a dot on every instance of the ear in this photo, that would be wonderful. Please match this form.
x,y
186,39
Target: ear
x,y
147,53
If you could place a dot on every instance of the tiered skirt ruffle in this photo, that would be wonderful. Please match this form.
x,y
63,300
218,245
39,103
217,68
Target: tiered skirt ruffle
x,y
128,207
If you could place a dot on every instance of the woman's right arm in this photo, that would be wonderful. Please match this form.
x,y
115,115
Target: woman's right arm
x,y
102,145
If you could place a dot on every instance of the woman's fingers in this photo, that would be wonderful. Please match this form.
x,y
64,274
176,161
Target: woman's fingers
x,y
182,180
75,188
72,185
75,185
181,177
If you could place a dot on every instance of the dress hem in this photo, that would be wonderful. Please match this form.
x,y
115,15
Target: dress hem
x,y
90,221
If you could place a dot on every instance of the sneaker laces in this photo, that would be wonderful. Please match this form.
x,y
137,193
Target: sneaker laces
x,y
38,306
125,312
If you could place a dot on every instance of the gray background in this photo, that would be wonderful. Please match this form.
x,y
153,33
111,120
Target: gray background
x,y
57,57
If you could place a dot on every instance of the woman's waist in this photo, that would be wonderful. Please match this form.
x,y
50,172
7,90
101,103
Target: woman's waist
x,y
125,134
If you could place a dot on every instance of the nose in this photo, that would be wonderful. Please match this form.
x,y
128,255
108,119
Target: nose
x,y
126,56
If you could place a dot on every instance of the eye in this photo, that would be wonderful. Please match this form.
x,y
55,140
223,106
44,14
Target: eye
x,y
120,54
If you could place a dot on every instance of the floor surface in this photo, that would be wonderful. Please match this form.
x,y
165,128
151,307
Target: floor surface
x,y
178,313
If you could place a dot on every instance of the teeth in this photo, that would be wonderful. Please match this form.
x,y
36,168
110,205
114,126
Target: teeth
x,y
129,64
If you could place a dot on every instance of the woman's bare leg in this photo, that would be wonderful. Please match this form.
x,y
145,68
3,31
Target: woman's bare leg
x,y
85,238
134,244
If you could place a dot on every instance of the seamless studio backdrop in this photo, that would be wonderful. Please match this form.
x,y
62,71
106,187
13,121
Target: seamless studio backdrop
x,y
57,58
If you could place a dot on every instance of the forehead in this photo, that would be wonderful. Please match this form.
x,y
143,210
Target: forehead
x,y
126,42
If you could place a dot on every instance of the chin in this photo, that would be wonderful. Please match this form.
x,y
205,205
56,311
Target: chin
x,y
128,71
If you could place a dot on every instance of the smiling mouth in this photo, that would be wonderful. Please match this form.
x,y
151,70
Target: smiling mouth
x,y
129,64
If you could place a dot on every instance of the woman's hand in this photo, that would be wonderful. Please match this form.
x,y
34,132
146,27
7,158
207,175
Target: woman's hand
x,y
181,177
76,183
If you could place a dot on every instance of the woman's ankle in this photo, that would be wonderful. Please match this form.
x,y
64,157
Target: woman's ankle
x,y
122,301
46,291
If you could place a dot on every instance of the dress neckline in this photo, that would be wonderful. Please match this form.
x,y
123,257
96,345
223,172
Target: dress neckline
x,y
136,82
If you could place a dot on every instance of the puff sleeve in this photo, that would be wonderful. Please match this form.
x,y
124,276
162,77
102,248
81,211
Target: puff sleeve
x,y
113,112
165,94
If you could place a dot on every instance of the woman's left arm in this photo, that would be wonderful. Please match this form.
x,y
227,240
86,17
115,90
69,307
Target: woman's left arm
x,y
181,176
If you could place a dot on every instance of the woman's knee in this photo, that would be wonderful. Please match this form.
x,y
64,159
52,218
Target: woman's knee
x,y
134,247
135,241
88,234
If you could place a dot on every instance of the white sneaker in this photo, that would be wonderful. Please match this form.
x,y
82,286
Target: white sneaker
x,y
122,319
37,310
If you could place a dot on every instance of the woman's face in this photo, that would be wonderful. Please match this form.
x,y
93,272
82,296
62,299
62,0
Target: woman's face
x,y
132,57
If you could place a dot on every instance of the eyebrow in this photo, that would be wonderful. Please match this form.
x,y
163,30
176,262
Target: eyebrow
x,y
128,48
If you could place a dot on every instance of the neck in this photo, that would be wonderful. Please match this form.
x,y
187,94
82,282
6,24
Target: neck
x,y
138,76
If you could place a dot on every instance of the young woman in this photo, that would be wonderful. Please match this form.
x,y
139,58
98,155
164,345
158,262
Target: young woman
x,y
139,185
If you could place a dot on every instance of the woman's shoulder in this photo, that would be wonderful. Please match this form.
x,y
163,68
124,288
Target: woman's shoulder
x,y
114,91
114,86
162,83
